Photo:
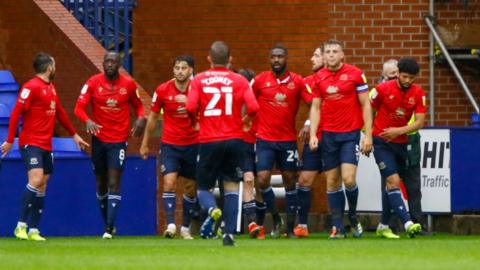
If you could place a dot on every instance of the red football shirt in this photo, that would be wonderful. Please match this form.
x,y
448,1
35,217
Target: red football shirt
x,y
279,99
341,110
177,125
395,107
39,105
110,106
218,96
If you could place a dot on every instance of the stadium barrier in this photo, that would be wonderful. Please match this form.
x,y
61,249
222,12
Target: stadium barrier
x,y
71,207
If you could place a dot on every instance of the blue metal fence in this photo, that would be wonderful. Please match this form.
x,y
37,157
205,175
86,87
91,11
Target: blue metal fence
x,y
109,21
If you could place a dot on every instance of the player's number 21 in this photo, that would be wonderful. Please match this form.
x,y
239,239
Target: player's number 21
x,y
217,93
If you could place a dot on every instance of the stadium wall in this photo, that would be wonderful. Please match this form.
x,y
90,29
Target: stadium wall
x,y
28,27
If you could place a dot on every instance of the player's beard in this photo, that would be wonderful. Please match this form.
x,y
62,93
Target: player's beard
x,y
111,74
279,70
51,76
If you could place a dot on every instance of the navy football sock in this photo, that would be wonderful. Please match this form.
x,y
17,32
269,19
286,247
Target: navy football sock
x,y
386,209
206,199
261,210
269,200
37,210
189,209
397,204
230,212
28,198
103,203
114,200
352,198
169,206
336,201
304,203
249,209
291,197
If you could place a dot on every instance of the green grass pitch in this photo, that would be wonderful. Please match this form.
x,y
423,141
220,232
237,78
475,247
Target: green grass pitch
x,y
316,252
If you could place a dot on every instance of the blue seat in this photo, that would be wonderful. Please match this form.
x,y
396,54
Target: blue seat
x,y
8,99
3,132
4,111
66,147
7,81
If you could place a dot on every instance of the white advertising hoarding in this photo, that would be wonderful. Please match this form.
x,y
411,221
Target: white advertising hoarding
x,y
435,175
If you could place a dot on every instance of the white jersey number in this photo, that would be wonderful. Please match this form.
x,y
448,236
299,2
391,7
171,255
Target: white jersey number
x,y
217,93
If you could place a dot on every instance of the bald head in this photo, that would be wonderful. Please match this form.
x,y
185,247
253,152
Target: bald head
x,y
219,53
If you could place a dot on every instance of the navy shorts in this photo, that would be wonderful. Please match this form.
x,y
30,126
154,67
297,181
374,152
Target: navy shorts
x,y
390,157
283,154
220,160
311,160
107,155
339,147
179,158
249,164
37,158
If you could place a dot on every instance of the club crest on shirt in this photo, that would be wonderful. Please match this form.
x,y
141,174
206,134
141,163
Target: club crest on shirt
x,y
343,77
122,91
112,102
280,97
33,161
291,85
332,89
411,101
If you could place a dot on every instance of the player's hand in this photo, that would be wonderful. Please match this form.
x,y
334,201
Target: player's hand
x,y
391,133
139,127
92,127
180,98
246,123
367,146
6,147
81,144
304,133
313,143
196,126
144,151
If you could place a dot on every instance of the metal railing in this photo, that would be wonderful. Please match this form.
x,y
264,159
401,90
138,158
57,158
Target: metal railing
x,y
109,21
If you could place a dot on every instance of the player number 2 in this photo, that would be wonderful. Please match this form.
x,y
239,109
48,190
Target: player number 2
x,y
217,93
292,155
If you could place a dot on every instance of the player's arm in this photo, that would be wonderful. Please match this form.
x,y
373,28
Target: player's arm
x,y
137,104
314,122
155,111
150,127
367,142
23,103
252,107
193,98
393,132
81,110
62,117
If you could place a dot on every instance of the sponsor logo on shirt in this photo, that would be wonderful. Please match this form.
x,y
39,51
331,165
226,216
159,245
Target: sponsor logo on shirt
x,y
332,89
112,102
280,97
